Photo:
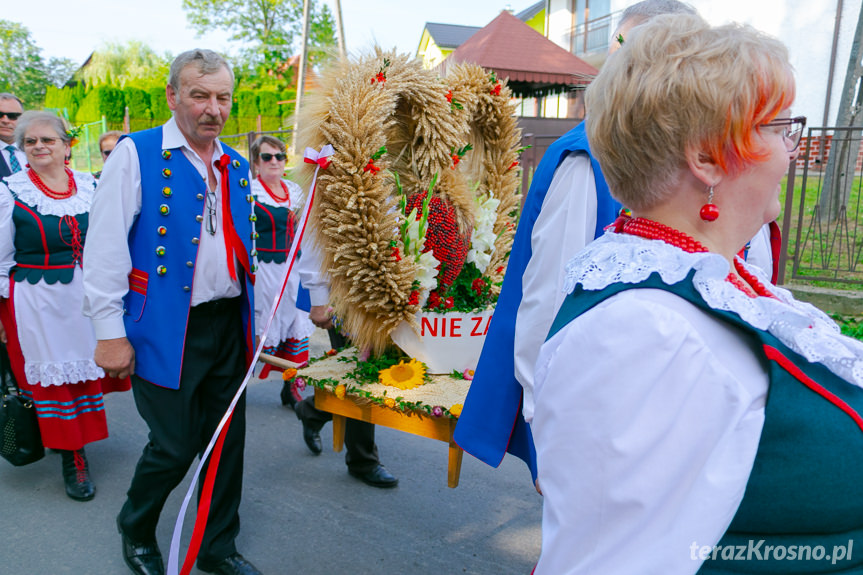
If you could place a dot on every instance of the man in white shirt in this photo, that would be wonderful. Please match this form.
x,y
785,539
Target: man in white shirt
x,y
168,287
12,159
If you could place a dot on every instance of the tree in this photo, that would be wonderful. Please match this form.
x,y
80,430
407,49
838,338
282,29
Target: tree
x,y
268,32
266,28
22,70
322,36
839,175
133,63
60,71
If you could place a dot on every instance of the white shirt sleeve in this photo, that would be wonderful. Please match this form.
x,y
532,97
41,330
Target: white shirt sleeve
x,y
309,268
7,239
648,418
107,262
761,252
565,225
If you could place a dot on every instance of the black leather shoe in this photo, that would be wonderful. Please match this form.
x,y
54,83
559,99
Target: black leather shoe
x,y
142,557
312,438
287,395
234,564
377,477
76,475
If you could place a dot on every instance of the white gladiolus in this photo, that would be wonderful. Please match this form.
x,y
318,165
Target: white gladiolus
x,y
482,239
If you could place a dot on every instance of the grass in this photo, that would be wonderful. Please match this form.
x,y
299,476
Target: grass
x,y
823,252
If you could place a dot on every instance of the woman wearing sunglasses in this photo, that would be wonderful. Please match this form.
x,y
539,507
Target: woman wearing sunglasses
x,y
43,224
276,203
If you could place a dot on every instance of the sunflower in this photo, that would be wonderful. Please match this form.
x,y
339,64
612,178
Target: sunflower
x,y
404,375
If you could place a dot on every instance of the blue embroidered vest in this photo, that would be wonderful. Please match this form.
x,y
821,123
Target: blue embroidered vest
x,y
163,243
802,511
491,422
46,247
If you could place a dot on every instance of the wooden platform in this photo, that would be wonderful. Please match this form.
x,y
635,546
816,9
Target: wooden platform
x,y
440,428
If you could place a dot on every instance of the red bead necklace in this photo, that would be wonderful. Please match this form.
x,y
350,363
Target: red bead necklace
x,y
279,199
651,230
70,189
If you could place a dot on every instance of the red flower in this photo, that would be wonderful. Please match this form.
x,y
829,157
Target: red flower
x,y
434,300
379,77
449,96
395,253
455,160
478,285
512,165
496,90
500,269
415,298
449,303
371,167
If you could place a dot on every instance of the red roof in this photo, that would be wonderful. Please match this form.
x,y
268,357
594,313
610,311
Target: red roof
x,y
516,51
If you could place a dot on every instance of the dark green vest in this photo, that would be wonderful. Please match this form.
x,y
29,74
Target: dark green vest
x,y
46,247
802,511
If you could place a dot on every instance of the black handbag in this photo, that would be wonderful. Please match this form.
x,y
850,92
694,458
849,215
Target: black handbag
x,y
20,440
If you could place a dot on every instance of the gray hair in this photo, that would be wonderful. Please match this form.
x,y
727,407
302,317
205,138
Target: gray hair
x,y
115,134
8,96
647,9
38,117
206,61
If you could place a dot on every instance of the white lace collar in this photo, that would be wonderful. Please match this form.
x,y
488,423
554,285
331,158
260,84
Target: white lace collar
x,y
295,192
28,193
620,258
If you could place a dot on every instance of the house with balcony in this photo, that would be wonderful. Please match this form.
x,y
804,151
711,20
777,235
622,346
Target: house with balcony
x,y
818,36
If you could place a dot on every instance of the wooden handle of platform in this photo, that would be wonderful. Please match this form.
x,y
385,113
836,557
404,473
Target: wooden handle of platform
x,y
278,361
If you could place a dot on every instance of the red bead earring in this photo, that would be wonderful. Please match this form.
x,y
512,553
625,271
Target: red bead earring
x,y
709,211
66,161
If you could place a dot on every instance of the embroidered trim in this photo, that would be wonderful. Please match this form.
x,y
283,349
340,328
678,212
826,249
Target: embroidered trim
x,y
294,191
63,373
619,258
19,183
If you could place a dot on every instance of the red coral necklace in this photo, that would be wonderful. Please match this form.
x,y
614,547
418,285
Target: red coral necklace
x,y
651,230
70,189
281,200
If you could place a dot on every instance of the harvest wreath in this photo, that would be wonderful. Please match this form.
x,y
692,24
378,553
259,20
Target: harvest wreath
x,y
415,216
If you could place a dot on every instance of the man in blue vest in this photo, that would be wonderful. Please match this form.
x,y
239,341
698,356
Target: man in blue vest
x,y
168,286
567,206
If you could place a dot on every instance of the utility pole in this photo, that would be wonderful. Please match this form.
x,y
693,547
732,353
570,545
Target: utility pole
x,y
340,29
301,81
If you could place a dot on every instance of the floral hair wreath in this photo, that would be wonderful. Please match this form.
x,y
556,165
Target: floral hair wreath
x,y
397,130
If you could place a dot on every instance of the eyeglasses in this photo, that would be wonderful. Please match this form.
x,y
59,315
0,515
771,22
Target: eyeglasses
x,y
45,141
267,157
211,213
11,115
792,132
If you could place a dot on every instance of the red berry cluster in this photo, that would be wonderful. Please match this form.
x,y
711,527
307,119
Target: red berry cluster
x,y
442,236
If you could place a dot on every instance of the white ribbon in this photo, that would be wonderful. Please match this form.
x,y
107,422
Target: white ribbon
x,y
319,158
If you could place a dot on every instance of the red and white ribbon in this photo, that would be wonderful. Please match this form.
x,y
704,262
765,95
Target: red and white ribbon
x,y
322,160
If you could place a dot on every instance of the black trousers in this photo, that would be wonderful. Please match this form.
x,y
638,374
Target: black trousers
x,y
362,453
181,424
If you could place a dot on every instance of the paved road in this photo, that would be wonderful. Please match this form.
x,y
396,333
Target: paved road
x,y
300,513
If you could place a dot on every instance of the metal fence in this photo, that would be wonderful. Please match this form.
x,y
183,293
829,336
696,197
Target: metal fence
x,y
823,220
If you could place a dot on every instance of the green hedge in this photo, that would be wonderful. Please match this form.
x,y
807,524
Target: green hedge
x,y
138,102
159,105
102,101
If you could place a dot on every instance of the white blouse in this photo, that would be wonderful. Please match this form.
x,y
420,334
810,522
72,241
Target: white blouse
x,y
649,411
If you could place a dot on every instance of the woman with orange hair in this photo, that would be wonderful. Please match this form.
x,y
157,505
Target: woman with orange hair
x,y
686,408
